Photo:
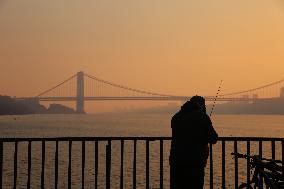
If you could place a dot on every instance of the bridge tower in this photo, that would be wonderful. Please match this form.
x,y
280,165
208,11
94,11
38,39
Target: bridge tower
x,y
80,93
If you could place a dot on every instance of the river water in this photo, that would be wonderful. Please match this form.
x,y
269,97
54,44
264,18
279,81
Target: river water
x,y
119,124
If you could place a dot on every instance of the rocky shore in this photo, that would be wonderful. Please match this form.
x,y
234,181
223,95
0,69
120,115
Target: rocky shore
x,y
11,106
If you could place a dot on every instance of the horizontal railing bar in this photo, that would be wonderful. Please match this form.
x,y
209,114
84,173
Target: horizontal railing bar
x,y
83,139
132,138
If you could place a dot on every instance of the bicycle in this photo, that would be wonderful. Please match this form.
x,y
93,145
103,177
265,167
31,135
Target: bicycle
x,y
267,170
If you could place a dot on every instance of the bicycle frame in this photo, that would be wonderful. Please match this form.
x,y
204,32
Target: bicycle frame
x,y
272,178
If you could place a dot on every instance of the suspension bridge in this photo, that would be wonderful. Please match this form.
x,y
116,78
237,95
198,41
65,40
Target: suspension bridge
x,y
82,87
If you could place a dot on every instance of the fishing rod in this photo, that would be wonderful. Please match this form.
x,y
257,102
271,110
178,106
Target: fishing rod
x,y
215,99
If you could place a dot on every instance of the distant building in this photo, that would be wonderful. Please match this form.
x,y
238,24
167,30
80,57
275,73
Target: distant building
x,y
254,96
245,96
282,92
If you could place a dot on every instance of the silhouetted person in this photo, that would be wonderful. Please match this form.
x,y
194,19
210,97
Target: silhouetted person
x,y
192,130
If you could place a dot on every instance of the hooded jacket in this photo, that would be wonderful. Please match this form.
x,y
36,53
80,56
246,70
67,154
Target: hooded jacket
x,y
192,130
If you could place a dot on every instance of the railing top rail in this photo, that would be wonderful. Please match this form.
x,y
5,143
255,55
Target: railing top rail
x,y
15,139
250,139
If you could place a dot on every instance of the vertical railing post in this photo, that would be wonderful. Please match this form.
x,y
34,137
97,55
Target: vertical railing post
x,y
69,164
211,166
282,143
248,164
273,149
161,164
29,164
108,164
42,163
1,163
236,165
134,163
260,148
96,163
260,154
121,162
83,164
56,165
223,164
147,164
15,165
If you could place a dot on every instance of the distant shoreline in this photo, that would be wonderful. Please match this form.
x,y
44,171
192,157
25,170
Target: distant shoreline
x,y
10,106
258,107
274,106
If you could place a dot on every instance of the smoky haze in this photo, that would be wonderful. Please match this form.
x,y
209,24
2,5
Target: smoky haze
x,y
171,47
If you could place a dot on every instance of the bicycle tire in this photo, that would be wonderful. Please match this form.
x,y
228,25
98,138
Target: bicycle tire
x,y
244,185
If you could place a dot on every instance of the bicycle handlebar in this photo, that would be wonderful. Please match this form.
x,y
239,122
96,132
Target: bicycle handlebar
x,y
270,164
238,155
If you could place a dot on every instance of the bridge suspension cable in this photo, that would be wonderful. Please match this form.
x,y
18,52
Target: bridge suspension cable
x,y
98,89
60,84
127,88
253,89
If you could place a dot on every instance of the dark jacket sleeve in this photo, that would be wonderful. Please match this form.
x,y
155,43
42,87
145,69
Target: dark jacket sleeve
x,y
173,127
212,134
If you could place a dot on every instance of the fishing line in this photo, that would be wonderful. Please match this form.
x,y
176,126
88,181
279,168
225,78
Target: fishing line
x,y
215,99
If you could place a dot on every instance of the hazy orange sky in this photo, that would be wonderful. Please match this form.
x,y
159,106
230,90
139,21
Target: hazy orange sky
x,y
179,47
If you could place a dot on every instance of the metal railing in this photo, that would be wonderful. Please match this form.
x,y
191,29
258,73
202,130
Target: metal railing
x,y
119,143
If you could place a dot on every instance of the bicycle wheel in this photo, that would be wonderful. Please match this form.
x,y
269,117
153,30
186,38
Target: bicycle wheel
x,y
244,185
